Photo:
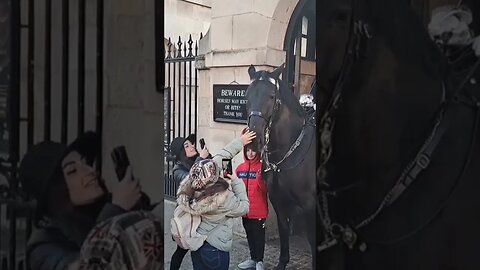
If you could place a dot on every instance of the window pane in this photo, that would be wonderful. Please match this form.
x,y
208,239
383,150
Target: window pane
x,y
304,47
304,25
295,47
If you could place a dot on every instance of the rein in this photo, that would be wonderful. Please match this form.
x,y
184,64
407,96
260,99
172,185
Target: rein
x,y
334,232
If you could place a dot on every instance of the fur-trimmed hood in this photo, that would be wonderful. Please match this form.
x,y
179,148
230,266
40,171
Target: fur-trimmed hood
x,y
190,204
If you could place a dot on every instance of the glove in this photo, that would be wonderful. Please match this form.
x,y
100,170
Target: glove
x,y
450,26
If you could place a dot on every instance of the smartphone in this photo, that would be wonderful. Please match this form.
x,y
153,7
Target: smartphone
x,y
202,143
120,161
227,167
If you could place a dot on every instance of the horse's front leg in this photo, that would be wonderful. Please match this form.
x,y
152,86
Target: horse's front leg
x,y
312,236
284,231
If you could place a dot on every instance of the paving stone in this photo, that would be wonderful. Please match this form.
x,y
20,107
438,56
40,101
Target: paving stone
x,y
300,257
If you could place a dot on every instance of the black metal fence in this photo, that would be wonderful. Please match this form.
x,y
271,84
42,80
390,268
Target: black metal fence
x,y
43,96
181,89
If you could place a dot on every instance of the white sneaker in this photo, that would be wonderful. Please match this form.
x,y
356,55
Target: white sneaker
x,y
259,266
247,264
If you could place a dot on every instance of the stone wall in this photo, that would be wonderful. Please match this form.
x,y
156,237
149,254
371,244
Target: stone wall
x,y
241,33
132,109
185,17
133,113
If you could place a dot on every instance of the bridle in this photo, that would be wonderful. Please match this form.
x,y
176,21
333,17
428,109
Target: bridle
x,y
275,166
358,32
336,232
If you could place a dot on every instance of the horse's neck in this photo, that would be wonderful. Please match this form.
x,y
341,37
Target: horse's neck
x,y
285,130
388,110
399,87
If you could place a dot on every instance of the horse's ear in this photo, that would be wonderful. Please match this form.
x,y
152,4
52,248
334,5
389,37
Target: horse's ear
x,y
276,73
251,72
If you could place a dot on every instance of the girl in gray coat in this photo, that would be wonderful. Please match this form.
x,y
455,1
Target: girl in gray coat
x,y
217,201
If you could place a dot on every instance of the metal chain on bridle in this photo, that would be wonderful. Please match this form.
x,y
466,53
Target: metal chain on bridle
x,y
358,31
275,166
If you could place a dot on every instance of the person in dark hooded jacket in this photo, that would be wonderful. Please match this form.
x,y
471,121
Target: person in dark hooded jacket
x,y
185,154
71,199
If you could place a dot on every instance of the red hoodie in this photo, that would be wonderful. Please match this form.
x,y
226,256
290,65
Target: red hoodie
x,y
250,172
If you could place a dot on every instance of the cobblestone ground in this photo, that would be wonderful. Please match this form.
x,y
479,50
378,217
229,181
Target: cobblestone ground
x,y
299,250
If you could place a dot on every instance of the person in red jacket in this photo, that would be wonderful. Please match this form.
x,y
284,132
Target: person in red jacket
x,y
254,221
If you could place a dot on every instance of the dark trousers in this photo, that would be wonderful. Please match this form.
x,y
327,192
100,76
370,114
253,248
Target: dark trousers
x,y
255,229
177,258
207,257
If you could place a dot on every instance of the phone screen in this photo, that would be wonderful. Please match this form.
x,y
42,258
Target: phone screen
x,y
120,161
227,167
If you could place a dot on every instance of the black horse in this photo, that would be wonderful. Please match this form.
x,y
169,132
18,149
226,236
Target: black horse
x,y
399,160
287,142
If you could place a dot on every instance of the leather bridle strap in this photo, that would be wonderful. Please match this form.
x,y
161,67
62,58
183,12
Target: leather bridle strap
x,y
333,231
357,31
255,113
420,163
275,165
422,159
417,165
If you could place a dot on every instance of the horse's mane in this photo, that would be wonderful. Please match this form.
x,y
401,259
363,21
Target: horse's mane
x,y
287,96
405,32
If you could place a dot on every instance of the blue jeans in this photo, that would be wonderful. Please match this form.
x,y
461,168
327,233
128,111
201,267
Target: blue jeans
x,y
208,257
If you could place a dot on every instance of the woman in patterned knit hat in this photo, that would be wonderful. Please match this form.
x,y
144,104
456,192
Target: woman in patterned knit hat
x,y
218,201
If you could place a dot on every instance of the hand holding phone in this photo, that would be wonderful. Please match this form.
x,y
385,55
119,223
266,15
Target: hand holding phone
x,y
126,194
203,149
227,167
120,161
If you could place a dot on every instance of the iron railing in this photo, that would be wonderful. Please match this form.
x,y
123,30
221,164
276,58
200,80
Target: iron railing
x,y
38,106
181,95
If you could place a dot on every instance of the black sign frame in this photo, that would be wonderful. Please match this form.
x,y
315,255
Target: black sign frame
x,y
228,106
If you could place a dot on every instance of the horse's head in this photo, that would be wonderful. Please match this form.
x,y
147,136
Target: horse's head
x,y
262,99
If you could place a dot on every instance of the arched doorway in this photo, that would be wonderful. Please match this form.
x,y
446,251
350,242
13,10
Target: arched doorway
x,y
299,44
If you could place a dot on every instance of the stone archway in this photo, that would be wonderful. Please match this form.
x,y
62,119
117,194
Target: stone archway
x,y
279,25
284,32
